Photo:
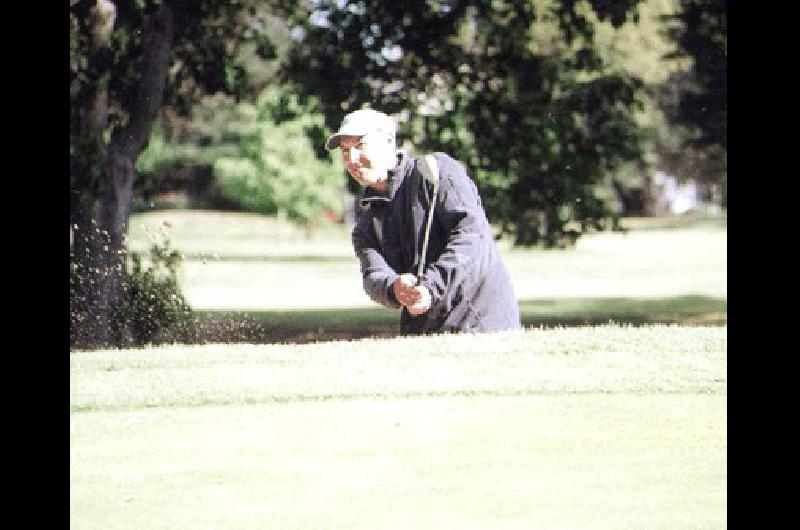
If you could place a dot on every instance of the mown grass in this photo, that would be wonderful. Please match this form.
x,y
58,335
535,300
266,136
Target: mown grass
x,y
614,358
602,427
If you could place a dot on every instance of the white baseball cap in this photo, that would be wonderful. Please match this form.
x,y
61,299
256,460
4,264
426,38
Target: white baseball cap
x,y
361,122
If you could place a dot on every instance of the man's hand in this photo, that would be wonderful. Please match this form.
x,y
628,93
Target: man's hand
x,y
423,303
416,298
405,289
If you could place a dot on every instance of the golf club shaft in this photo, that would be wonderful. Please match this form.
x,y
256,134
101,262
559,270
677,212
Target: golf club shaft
x,y
422,258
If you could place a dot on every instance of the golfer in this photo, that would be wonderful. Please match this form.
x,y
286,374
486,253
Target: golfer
x,y
464,285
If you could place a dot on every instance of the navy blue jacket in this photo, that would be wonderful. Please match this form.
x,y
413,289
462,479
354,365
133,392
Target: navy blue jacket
x,y
469,282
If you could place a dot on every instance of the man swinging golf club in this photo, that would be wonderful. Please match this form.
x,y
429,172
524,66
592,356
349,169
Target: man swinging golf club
x,y
422,236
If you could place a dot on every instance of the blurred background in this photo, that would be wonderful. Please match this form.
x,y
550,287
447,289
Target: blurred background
x,y
204,207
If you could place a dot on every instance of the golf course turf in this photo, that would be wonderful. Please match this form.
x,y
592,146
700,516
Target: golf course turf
x,y
590,427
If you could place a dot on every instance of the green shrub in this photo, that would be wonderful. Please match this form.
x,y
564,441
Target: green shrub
x,y
277,168
151,308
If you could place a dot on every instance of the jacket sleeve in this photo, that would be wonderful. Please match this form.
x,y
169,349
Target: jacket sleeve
x,y
377,275
467,232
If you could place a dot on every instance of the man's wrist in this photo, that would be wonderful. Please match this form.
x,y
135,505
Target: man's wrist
x,y
390,290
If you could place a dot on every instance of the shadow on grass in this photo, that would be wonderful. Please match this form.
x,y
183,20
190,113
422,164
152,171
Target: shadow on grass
x,y
264,258
303,326
690,309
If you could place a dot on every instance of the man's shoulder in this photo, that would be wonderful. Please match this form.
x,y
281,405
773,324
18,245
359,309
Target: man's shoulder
x,y
449,166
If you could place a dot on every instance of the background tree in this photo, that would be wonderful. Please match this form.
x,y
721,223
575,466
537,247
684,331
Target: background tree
x,y
537,128
643,48
128,59
701,32
697,100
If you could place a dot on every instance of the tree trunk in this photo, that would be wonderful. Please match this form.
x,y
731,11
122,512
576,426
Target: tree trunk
x,y
649,208
100,249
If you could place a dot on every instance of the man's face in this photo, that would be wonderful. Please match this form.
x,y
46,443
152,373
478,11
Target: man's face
x,y
368,158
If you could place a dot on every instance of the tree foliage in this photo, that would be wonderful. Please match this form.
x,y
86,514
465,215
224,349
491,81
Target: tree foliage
x,y
276,167
701,32
263,156
536,128
696,101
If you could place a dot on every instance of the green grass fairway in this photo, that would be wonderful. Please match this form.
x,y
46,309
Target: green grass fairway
x,y
608,427
245,262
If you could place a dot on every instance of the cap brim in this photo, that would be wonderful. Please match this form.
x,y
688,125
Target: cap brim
x,y
334,141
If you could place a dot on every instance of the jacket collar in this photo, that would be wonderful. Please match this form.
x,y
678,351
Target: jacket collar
x,y
396,176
